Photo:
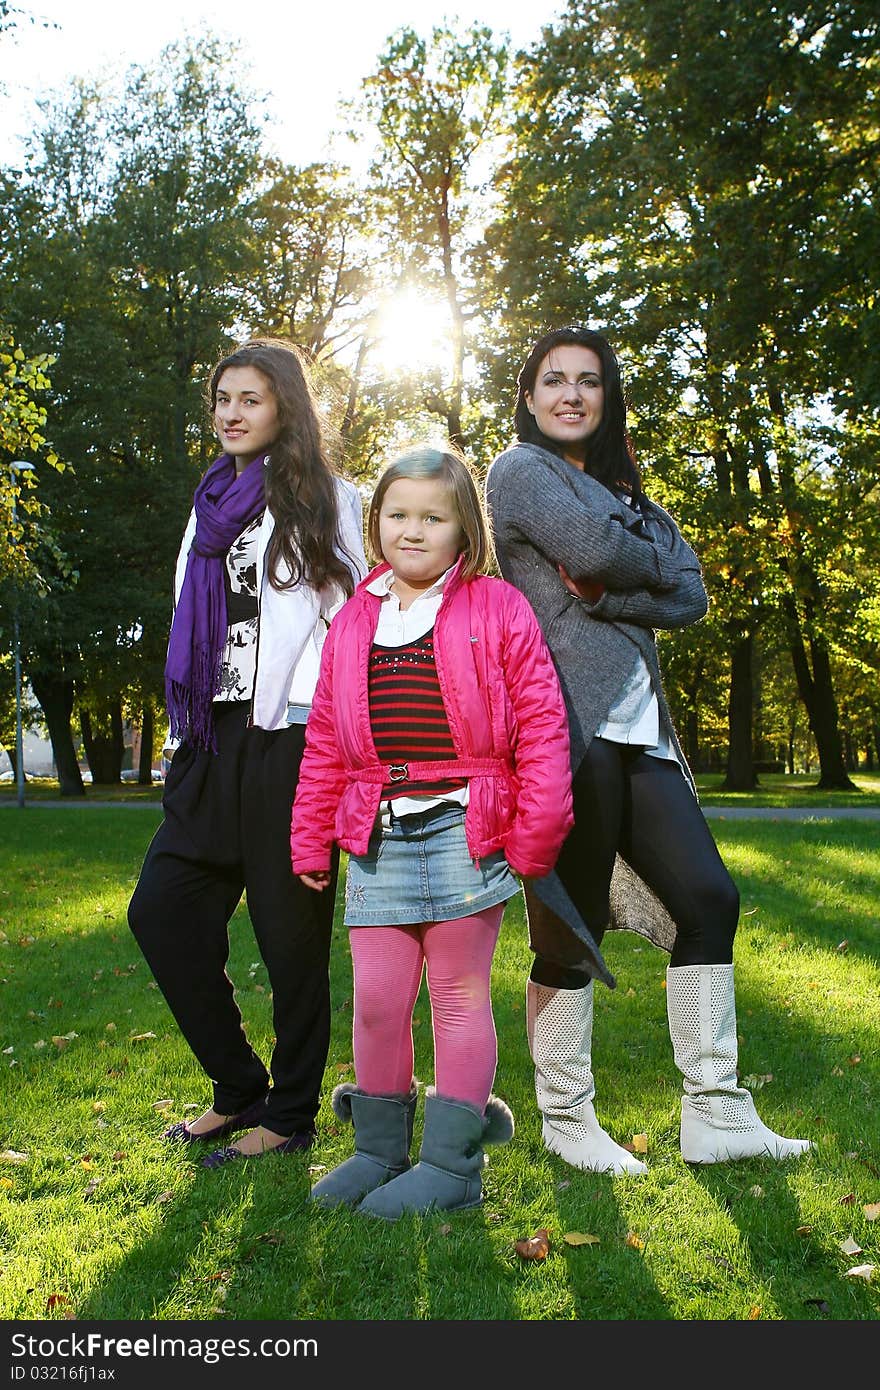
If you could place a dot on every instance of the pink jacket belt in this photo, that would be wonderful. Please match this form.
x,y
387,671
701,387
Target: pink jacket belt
x,y
422,771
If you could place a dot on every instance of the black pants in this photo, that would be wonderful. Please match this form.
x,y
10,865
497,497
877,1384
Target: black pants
x,y
227,829
641,808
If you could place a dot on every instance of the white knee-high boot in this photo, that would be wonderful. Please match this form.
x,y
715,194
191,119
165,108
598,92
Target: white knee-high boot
x,y
560,1033
718,1118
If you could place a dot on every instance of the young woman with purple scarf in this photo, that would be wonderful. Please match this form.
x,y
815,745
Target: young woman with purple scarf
x,y
273,546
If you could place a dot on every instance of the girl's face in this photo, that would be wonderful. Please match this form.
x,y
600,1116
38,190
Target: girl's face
x,y
419,532
569,398
245,414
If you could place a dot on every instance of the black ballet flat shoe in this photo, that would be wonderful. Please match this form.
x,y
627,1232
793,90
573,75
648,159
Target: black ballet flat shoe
x,y
302,1139
182,1134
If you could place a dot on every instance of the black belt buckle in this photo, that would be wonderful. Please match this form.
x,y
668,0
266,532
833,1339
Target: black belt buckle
x,y
398,772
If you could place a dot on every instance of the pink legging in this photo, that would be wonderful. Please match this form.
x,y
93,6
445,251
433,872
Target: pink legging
x,y
388,963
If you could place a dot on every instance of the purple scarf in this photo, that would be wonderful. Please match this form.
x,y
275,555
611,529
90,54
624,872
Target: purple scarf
x,y
225,503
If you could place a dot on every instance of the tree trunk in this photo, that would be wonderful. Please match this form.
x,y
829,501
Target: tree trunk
x,y
55,695
817,692
740,775
105,745
145,760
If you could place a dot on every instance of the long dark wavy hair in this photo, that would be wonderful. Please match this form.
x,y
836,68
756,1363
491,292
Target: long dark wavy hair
x,y
610,457
300,478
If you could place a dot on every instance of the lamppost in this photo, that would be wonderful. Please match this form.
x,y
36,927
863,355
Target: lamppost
x,y
18,466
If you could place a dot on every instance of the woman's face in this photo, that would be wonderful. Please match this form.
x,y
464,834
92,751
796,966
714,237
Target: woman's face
x,y
245,414
568,398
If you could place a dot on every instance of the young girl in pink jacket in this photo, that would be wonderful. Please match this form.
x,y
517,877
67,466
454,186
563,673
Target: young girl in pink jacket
x,y
437,756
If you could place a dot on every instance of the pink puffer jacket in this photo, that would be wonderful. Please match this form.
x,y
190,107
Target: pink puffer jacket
x,y
503,702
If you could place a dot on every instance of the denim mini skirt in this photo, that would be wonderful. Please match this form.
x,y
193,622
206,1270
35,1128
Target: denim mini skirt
x,y
419,869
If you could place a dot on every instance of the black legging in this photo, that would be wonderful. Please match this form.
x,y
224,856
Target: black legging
x,y
641,808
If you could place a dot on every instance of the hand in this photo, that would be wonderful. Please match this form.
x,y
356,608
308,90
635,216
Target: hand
x,y
590,590
316,879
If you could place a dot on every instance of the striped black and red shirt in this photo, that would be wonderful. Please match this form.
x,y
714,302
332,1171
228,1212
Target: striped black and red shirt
x,y
407,714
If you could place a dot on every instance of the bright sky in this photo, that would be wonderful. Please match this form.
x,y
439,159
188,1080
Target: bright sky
x,y
305,57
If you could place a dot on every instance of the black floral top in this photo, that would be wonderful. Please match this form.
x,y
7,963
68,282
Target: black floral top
x,y
239,658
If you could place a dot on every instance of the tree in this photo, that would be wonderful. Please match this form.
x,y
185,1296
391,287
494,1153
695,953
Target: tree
x,y
131,246
704,189
438,107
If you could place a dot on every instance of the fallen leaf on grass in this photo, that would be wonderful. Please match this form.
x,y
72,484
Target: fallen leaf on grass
x,y
861,1272
634,1240
221,1274
843,947
98,1107
55,1299
803,1230
445,1228
579,1238
162,1104
140,1037
6,1182
756,1191
848,1200
754,1313
13,1156
165,1196
119,1156
537,1247
92,1188
850,1246
640,1143
872,1210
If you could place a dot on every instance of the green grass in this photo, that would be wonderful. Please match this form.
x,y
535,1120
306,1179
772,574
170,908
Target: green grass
x,y
101,1220
778,789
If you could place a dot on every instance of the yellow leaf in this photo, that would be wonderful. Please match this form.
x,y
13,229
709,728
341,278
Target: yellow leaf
x,y
578,1238
634,1240
850,1246
754,1313
97,1107
6,1182
640,1143
872,1210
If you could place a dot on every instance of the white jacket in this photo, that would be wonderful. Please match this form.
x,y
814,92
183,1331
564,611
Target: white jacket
x,y
292,622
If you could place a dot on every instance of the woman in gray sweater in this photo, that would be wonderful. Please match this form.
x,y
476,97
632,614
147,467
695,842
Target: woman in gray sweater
x,y
603,566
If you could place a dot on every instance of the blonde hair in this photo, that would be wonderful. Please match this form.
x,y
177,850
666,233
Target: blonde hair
x,y
449,467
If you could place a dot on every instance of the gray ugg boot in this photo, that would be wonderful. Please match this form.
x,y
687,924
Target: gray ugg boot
x,y
383,1127
447,1175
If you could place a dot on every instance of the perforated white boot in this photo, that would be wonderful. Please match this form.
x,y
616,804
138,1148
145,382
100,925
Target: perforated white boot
x,y
560,1033
718,1118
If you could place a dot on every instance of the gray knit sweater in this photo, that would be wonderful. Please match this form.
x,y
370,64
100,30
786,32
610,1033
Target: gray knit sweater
x,y
544,512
